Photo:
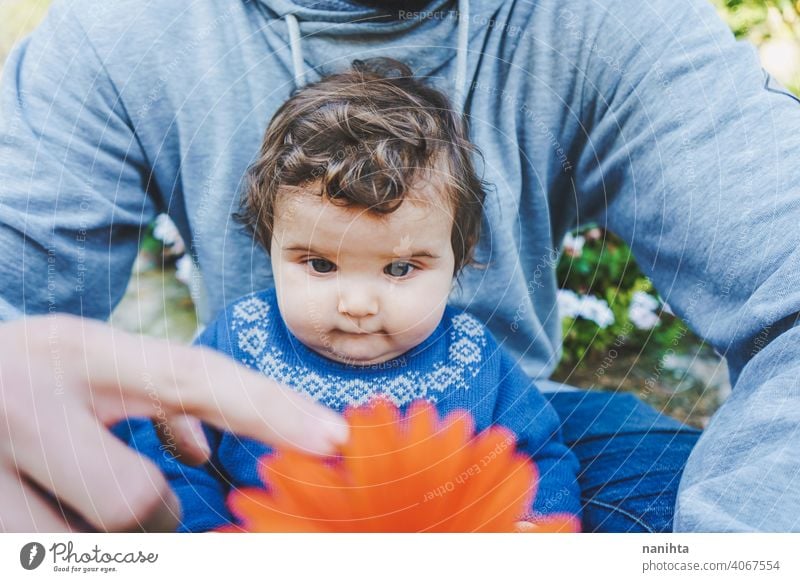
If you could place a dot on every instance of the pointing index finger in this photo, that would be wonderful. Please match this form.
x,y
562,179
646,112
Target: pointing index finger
x,y
133,375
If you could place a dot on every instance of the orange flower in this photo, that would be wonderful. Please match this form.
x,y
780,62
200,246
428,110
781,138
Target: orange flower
x,y
412,474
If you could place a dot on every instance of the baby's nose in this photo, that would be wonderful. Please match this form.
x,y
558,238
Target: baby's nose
x,y
358,302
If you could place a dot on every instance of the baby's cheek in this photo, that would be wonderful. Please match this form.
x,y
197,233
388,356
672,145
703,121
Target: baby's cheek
x,y
295,305
307,311
420,315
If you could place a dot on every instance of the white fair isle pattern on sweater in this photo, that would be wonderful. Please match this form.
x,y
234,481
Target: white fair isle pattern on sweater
x,y
467,339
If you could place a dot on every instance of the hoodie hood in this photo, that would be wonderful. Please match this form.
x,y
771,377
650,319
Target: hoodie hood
x,y
346,11
409,34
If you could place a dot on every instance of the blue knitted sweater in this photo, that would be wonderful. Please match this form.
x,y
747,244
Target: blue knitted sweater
x,y
459,366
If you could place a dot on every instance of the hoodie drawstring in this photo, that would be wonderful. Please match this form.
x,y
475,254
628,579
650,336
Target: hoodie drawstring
x,y
297,50
460,80
461,55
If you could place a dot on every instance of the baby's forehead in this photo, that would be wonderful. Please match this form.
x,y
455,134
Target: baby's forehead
x,y
416,226
411,213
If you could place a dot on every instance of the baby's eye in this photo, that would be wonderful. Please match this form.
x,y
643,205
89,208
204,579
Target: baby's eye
x,y
322,266
398,269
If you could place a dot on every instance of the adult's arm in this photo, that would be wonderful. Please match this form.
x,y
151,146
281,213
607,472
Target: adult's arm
x,y
64,380
74,181
692,157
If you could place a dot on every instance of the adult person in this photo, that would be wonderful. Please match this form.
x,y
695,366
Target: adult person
x,y
648,119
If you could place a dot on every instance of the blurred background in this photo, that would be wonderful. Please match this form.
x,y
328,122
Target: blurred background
x,y
618,333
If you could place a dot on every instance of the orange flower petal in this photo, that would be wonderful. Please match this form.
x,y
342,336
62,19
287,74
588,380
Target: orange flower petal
x,y
304,485
412,473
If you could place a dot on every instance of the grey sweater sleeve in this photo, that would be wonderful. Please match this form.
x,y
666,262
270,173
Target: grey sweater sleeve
x,y
694,150
73,178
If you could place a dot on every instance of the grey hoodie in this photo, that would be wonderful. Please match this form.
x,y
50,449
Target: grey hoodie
x,y
646,118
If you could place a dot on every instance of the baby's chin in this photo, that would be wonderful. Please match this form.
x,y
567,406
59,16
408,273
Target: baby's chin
x,y
366,355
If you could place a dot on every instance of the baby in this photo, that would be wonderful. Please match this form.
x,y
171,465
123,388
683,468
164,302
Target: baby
x,y
365,197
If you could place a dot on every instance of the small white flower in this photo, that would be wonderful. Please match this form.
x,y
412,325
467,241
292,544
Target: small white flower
x,y
185,268
642,318
568,303
586,306
166,231
597,310
642,310
640,298
573,245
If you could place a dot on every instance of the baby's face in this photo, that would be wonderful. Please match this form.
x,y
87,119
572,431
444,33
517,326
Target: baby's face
x,y
360,288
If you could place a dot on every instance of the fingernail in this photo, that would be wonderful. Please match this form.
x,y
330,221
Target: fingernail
x,y
323,431
334,426
338,429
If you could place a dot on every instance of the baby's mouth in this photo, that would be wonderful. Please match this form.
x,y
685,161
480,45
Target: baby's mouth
x,y
360,331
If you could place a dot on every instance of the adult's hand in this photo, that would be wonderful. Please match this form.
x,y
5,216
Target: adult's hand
x,y
64,380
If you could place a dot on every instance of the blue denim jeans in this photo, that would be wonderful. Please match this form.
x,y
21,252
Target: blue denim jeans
x,y
631,456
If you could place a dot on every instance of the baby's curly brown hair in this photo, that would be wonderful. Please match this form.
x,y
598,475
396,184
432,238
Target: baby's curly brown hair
x,y
365,138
